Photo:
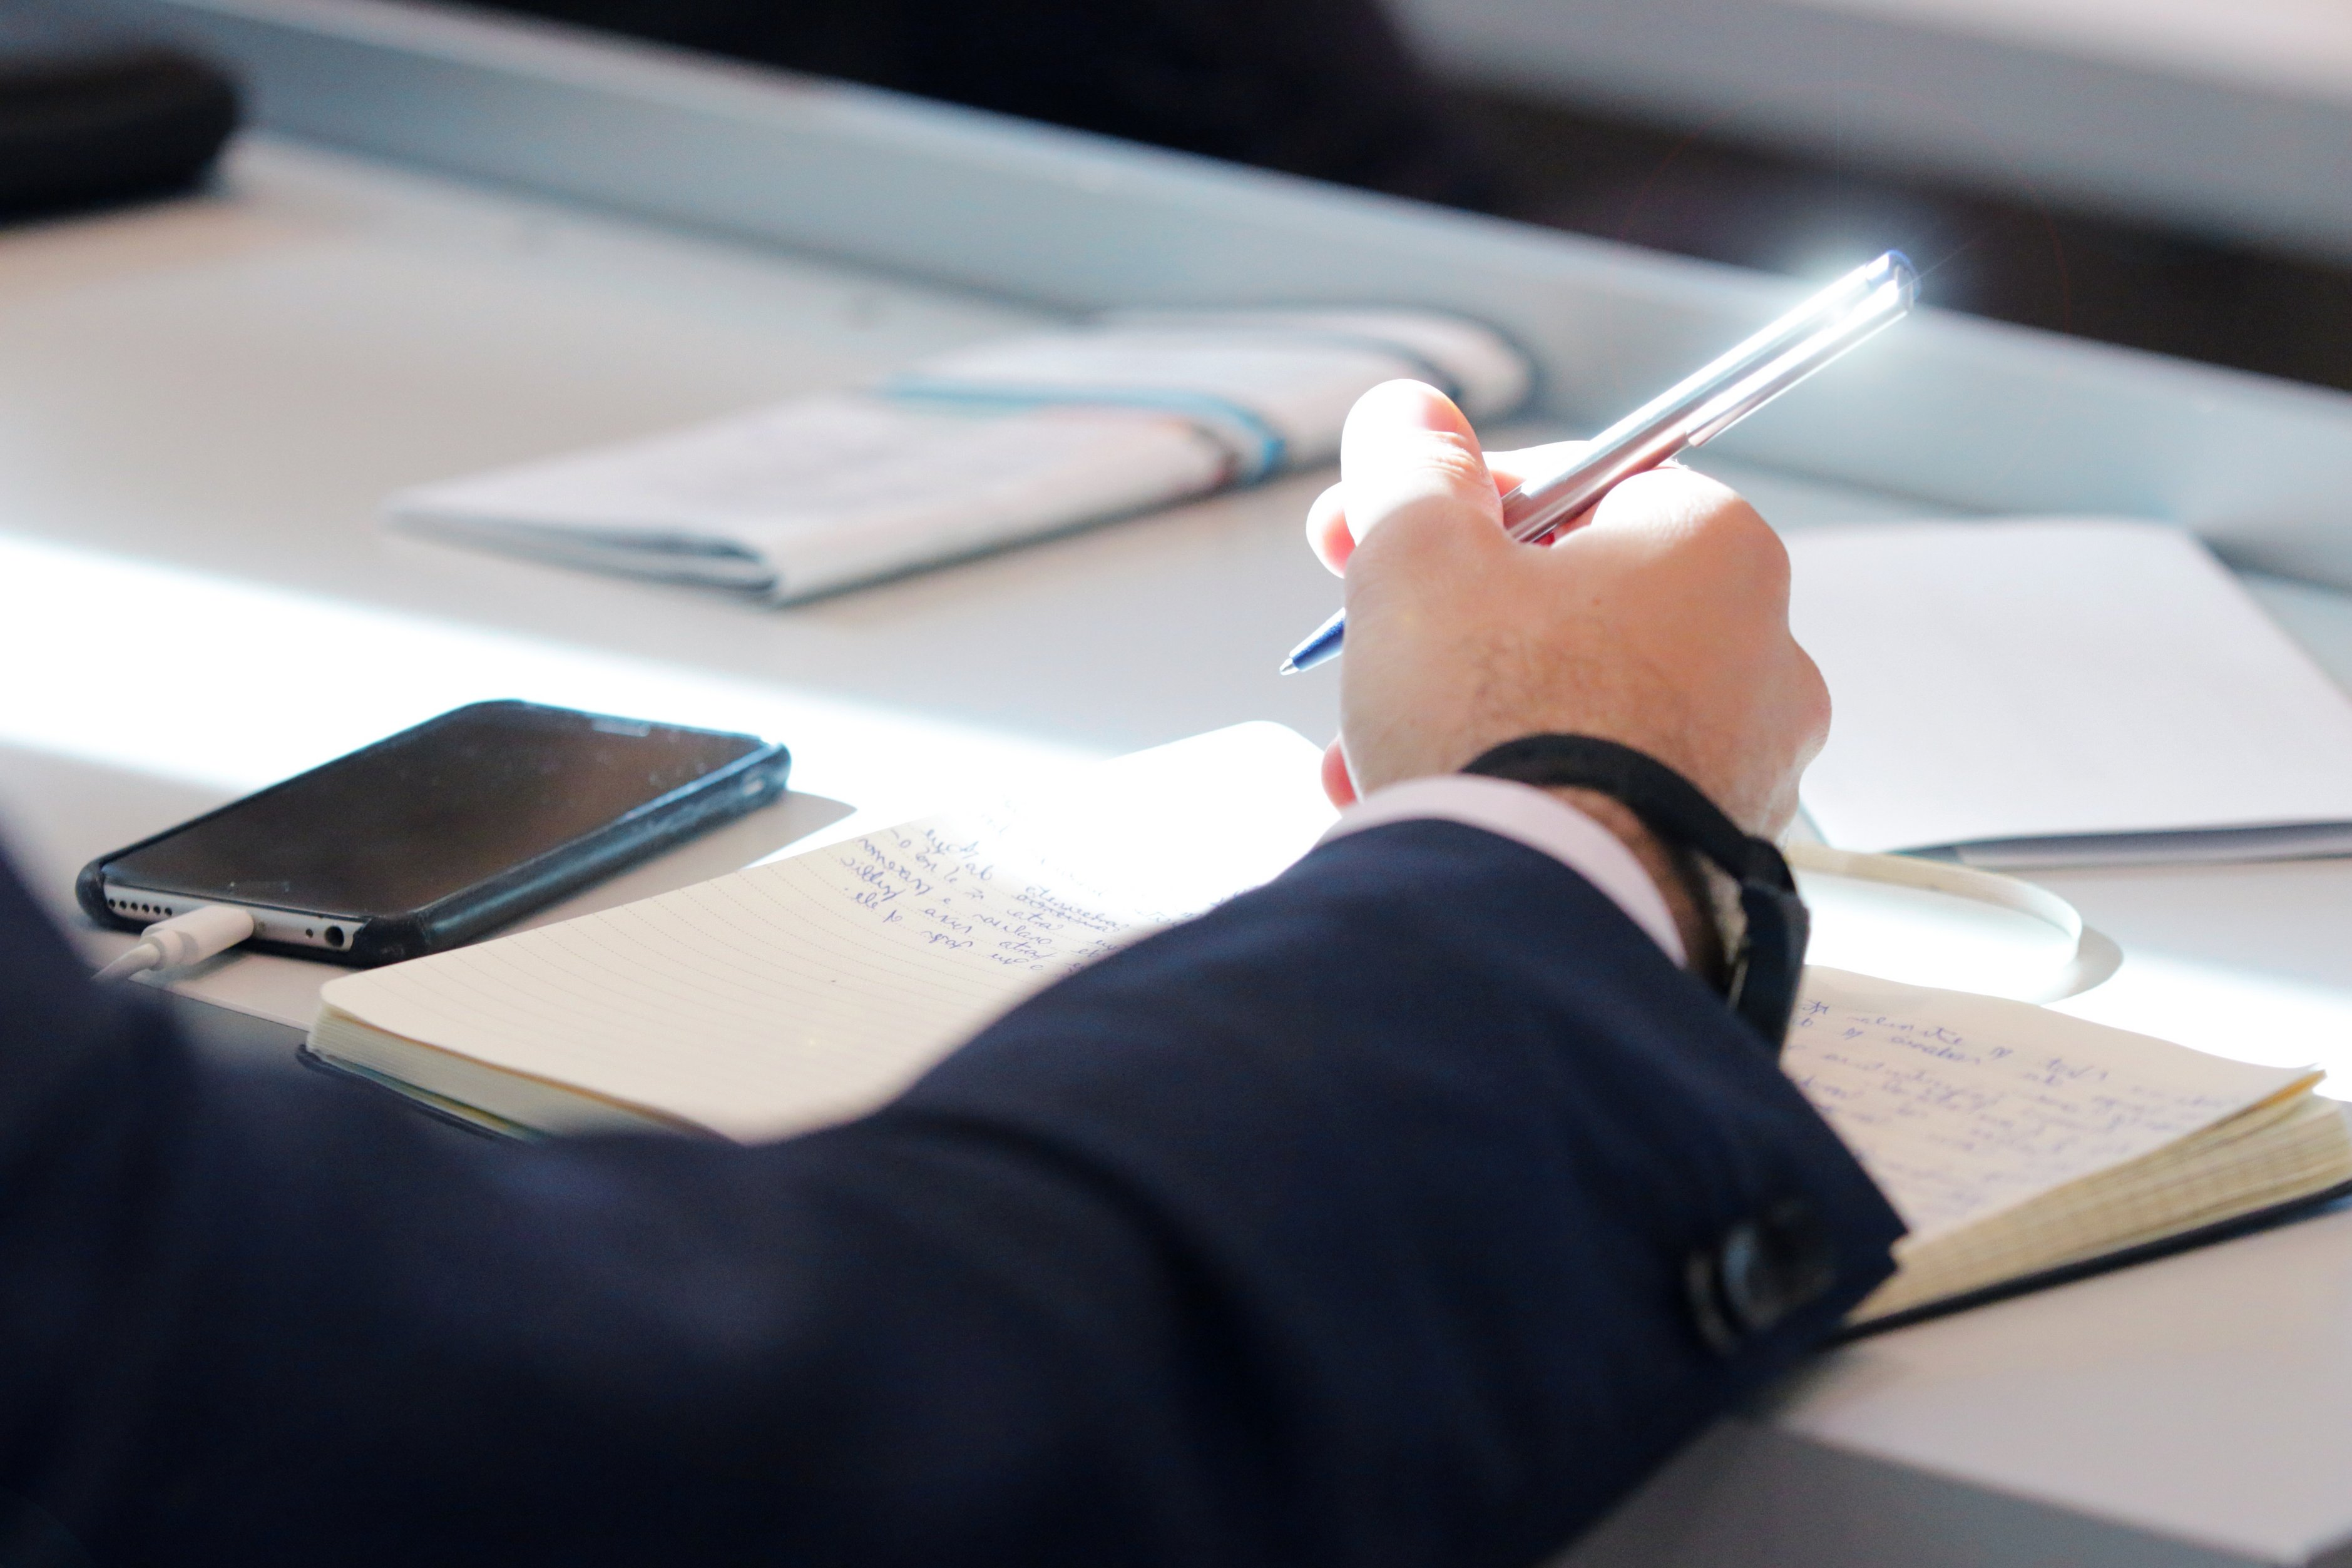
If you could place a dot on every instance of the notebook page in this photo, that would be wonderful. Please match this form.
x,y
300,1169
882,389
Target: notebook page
x,y
2036,679
2261,1157
1961,1105
812,989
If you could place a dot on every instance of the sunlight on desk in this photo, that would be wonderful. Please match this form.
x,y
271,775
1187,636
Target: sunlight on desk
x,y
232,686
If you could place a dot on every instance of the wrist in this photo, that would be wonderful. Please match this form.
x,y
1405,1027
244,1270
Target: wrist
x,y
1762,954
1681,881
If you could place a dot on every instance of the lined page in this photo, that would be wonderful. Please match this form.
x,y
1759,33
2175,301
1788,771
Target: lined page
x,y
811,989
1960,1106
2268,1155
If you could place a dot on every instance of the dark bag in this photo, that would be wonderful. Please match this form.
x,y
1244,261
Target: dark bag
x,y
90,113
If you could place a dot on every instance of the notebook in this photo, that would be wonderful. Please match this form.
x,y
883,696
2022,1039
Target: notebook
x,y
970,451
2044,692
2021,1145
2018,1143
811,989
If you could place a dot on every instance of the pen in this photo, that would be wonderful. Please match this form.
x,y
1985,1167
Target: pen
x,y
1692,412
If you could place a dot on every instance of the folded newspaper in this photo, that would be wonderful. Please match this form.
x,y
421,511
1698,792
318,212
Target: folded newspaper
x,y
971,451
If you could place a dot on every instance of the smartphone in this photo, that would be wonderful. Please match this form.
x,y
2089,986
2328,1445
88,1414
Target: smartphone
x,y
436,835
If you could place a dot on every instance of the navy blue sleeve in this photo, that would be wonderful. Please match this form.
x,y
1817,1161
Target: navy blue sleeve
x,y
1359,1222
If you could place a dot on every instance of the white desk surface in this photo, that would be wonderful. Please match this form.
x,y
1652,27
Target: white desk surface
x,y
202,402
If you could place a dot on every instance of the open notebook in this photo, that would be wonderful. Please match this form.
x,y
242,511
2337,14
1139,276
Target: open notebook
x,y
2014,1140
970,451
809,990
2044,692
2019,1143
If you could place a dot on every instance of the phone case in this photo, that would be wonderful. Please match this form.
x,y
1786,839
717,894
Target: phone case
x,y
744,784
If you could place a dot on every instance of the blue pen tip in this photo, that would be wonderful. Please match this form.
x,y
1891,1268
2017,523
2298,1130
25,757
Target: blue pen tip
x,y
1289,668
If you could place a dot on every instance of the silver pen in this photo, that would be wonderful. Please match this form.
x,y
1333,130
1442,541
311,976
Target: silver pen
x,y
1692,412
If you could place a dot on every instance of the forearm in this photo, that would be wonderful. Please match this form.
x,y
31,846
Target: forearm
x,y
1451,1231
1239,1247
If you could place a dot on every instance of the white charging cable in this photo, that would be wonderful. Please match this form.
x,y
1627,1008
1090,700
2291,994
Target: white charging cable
x,y
183,939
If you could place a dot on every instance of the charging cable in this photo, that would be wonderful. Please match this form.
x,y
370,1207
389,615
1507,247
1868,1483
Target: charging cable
x,y
183,939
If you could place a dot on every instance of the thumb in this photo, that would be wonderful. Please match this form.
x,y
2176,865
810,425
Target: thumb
x,y
1407,455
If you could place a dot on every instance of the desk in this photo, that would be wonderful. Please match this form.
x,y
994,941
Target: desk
x,y
200,404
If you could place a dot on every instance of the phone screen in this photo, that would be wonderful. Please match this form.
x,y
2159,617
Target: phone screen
x,y
431,811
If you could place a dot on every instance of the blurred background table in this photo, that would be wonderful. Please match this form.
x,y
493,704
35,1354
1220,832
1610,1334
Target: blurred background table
x,y
2229,120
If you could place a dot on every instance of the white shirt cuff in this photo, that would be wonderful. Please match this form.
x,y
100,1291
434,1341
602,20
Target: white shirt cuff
x,y
1542,821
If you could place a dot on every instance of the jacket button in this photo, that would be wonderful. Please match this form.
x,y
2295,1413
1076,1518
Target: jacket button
x,y
1764,1268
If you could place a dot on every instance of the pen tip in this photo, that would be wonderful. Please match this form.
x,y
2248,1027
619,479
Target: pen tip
x,y
1288,668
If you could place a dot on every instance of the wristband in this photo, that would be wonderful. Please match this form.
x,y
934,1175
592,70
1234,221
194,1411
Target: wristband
x,y
1768,958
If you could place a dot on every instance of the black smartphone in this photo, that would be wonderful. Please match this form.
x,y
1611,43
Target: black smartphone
x,y
437,835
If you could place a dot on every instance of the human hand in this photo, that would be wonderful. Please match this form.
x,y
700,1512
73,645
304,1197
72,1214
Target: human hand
x,y
1661,624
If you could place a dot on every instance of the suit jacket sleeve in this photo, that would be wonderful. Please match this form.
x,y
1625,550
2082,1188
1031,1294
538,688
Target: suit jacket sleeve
x,y
1359,1222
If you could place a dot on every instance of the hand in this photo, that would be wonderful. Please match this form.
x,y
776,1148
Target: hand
x,y
1661,622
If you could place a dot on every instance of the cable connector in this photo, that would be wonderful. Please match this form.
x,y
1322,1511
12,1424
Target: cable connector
x,y
183,939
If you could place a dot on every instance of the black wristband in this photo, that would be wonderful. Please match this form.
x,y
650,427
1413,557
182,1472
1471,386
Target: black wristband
x,y
1768,958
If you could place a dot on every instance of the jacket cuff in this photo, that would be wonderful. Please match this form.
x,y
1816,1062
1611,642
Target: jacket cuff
x,y
1536,819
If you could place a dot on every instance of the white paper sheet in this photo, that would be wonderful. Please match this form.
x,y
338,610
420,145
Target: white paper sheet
x,y
2105,682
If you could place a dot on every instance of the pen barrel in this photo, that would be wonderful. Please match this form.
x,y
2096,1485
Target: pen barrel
x,y
1533,512
1694,411
1706,404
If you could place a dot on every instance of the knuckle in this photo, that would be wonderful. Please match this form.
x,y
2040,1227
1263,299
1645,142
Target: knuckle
x,y
1819,708
1685,511
1721,521
1452,459
1761,550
